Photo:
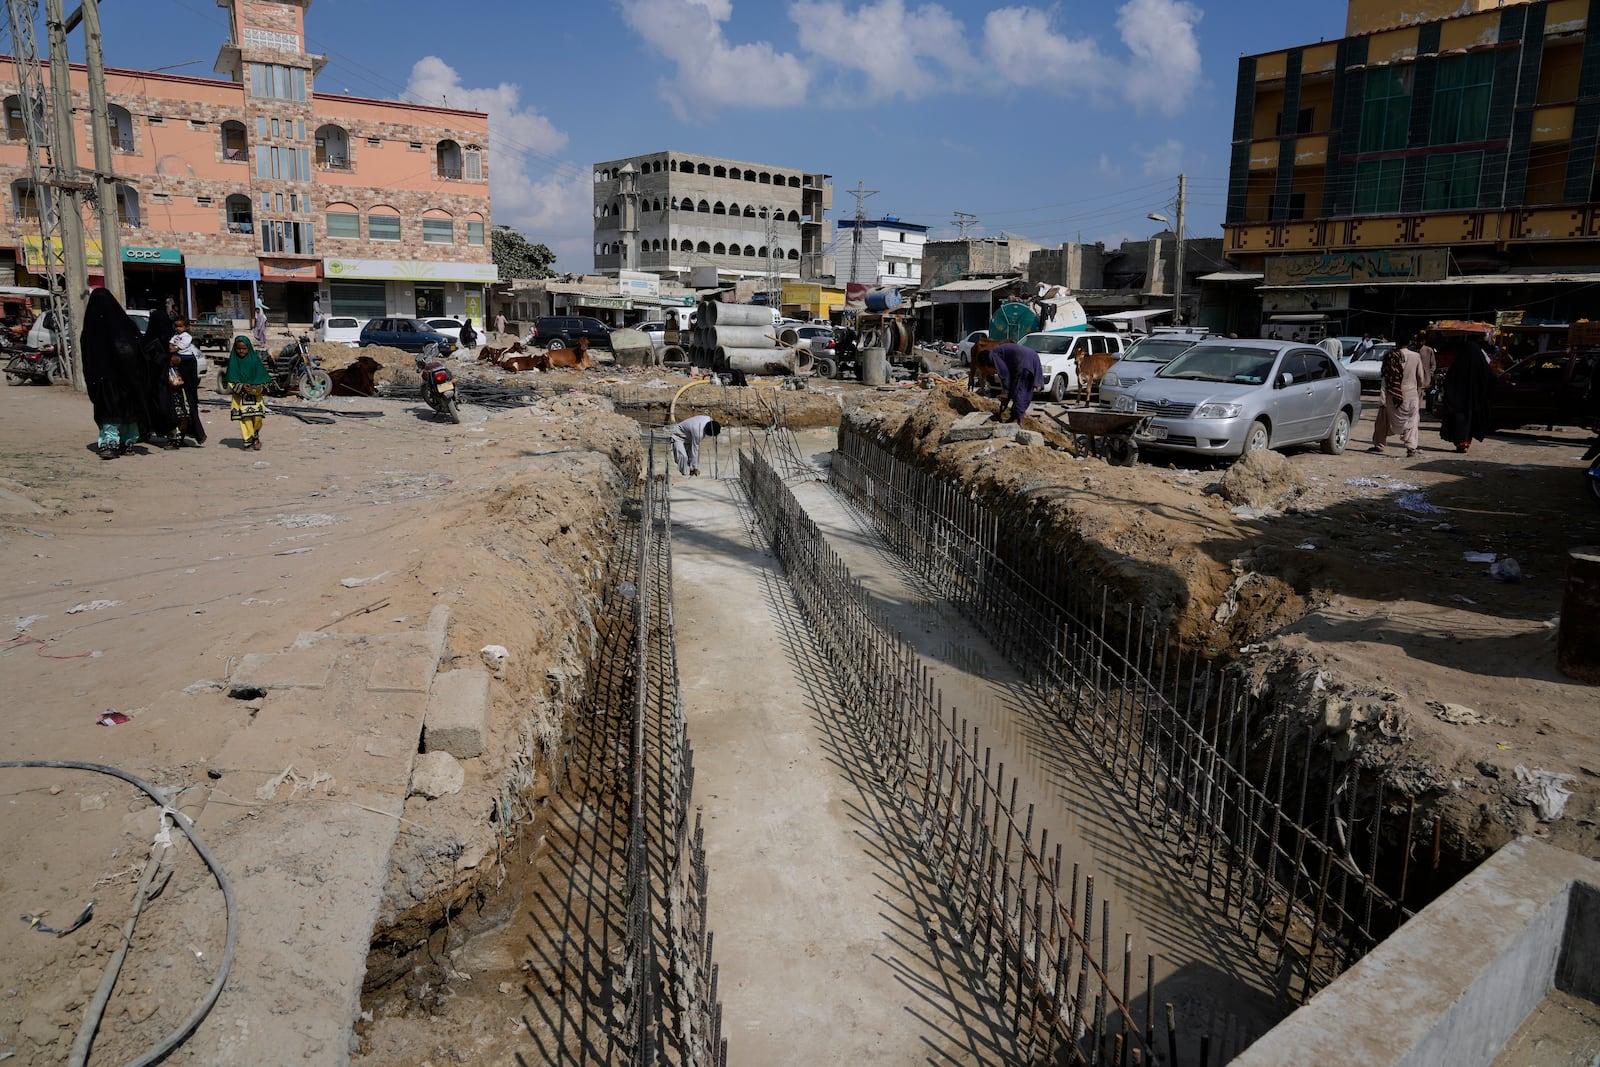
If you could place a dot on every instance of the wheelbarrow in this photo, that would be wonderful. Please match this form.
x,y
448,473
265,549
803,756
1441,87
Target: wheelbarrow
x,y
1108,435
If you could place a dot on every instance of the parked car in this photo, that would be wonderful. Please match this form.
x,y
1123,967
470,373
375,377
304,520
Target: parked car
x,y
656,331
563,331
1228,397
964,347
1368,368
1143,358
1551,389
340,330
819,339
1058,356
447,327
140,319
411,335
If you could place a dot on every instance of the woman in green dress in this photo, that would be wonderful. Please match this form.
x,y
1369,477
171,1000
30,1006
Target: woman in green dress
x,y
248,380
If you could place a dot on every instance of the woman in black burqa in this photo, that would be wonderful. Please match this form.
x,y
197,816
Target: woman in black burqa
x,y
158,362
115,372
1464,399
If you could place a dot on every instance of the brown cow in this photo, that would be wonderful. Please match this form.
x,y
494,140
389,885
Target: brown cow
x,y
980,365
358,379
1092,366
576,358
494,356
515,364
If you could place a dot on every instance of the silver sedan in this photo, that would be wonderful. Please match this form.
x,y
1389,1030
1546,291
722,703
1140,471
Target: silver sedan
x,y
1227,397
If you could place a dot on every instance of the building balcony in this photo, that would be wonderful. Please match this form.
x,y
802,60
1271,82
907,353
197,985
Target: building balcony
x,y
333,163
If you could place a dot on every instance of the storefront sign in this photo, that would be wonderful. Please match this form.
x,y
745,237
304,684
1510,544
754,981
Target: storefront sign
x,y
410,270
291,272
613,302
224,274
639,285
1416,265
33,255
152,255
685,301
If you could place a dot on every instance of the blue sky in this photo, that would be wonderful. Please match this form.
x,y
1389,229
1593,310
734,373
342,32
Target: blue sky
x,y
1056,121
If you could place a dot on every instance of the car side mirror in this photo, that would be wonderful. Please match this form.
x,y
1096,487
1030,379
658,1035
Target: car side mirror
x,y
1285,379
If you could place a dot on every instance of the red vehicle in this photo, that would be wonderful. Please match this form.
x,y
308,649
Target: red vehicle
x,y
1550,389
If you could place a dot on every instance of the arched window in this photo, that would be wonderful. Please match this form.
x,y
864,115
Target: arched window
x,y
24,199
719,249
655,205
733,250
476,227
719,171
794,253
128,207
472,163
447,160
655,246
120,123
704,168
343,221
749,211
702,247
383,223
686,167
241,215
718,209
332,147
599,176
762,251
733,209
749,175
794,216
764,178
749,250
16,127
762,213
794,181
438,227
235,142
673,164
705,207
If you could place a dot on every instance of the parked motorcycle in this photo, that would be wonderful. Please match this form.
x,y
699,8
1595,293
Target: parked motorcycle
x,y
42,365
294,370
438,384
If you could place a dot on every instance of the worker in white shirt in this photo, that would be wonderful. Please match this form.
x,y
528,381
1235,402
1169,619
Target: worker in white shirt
x,y
686,438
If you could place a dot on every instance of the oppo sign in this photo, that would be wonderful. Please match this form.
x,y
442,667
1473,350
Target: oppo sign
x,y
151,255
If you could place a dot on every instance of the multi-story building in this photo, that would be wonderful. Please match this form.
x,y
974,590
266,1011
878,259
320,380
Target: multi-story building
x,y
259,188
1439,161
672,212
882,251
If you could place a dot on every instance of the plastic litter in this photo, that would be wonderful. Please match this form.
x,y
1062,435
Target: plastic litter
x,y
92,605
1546,791
355,583
1480,557
1417,504
1506,570
493,656
112,717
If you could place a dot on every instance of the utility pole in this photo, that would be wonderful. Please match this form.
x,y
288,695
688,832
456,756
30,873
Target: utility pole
x,y
860,192
69,188
963,221
105,179
1177,278
772,271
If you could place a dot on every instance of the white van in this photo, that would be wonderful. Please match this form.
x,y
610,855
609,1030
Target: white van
x,y
340,330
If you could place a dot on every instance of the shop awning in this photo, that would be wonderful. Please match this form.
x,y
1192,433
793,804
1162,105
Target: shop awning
x,y
223,268
1134,316
1231,276
969,290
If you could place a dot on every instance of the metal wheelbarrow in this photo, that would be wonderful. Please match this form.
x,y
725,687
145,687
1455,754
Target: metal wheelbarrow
x,y
1108,435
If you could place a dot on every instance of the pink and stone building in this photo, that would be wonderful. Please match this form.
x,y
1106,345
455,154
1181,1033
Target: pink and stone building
x,y
258,187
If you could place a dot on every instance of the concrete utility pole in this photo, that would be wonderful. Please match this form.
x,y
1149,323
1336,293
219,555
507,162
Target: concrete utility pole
x,y
963,221
105,179
69,188
1177,272
860,192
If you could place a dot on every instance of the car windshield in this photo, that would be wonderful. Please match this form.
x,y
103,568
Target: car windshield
x,y
1374,354
1048,344
343,324
1156,350
1221,363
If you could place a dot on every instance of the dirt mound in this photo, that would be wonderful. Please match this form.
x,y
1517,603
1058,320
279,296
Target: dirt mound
x,y
1262,479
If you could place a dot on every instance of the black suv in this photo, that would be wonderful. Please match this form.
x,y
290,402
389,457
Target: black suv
x,y
563,331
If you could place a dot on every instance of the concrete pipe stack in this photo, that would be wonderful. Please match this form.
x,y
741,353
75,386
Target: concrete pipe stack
x,y
741,337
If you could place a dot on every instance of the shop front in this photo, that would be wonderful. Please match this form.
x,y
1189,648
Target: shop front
x,y
370,288
38,266
611,310
228,286
288,288
151,275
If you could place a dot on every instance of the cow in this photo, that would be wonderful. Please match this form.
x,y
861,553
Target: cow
x,y
527,361
980,366
576,357
358,379
493,356
1092,366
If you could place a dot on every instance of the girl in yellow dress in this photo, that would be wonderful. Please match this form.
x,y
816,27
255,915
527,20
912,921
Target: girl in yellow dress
x,y
247,380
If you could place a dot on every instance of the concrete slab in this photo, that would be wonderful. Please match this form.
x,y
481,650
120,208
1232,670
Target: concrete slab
x,y
284,670
457,720
403,667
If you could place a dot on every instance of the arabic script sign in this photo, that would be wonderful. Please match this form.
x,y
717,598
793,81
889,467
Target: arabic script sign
x,y
1419,264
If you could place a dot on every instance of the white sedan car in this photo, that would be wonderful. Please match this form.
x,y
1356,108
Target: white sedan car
x,y
964,349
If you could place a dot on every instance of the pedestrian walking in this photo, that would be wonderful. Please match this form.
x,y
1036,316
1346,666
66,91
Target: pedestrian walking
x,y
686,438
261,324
185,361
164,397
247,381
1400,413
500,322
1464,400
469,336
116,375
1020,373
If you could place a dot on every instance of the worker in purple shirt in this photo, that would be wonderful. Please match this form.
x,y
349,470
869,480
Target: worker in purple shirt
x,y
1020,374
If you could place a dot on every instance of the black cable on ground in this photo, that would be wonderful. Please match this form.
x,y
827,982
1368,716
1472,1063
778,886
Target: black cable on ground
x,y
186,824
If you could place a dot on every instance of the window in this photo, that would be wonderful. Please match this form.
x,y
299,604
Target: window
x,y
240,215
375,142
439,231
273,81
16,126
472,164
1385,109
1296,207
1461,99
1451,182
332,148
475,232
120,125
1378,186
24,199
199,201
343,220
383,224
128,206
287,238
447,155
287,164
235,145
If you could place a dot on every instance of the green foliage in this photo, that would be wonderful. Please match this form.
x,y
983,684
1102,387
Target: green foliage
x,y
517,257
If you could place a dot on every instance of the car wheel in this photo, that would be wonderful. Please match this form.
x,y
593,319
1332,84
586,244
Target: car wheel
x,y
1338,435
824,368
1058,389
1258,437
555,344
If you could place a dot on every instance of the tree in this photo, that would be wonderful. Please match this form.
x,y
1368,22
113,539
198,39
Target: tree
x,y
517,257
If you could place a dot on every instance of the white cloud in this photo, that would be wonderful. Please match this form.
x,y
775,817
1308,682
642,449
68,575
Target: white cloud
x,y
555,209
1166,56
1163,160
911,52
711,72
1023,49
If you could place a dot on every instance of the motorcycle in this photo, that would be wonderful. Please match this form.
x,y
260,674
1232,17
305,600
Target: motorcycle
x,y
438,384
42,365
294,370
